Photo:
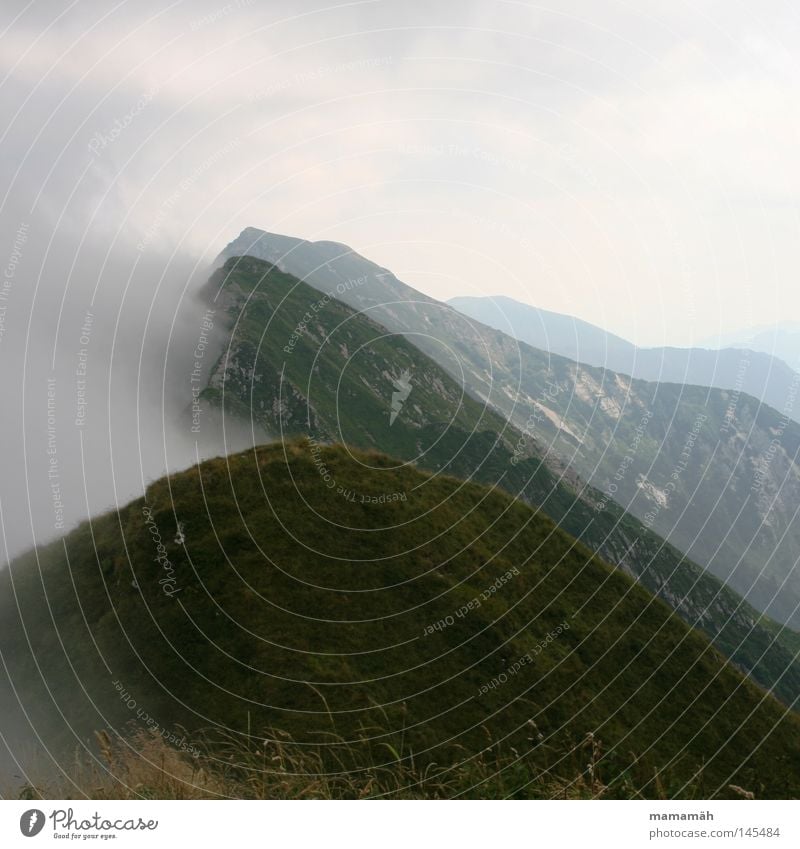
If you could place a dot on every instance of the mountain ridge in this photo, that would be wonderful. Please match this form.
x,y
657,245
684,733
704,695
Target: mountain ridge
x,y
760,375
589,419
270,624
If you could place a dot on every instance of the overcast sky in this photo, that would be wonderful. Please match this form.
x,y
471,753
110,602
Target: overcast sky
x,y
632,163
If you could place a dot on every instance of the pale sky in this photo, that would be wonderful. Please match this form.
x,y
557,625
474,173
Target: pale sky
x,y
631,163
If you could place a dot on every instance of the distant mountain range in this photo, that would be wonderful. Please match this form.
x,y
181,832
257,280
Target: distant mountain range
x,y
752,372
712,471
245,600
780,340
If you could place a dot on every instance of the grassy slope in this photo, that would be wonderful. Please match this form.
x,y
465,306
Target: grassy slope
x,y
286,615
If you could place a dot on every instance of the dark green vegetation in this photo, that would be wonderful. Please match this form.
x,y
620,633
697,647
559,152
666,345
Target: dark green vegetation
x,y
333,380
725,490
288,604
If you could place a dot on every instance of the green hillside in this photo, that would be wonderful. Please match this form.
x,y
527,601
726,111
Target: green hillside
x,y
408,613
300,362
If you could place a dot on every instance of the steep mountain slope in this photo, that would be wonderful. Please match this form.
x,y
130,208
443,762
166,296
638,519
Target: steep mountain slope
x,y
713,472
247,594
754,373
301,364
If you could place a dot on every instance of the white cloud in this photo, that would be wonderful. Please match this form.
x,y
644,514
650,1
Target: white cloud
x,y
640,150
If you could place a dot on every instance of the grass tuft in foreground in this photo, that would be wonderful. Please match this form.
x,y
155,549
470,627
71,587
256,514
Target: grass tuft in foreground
x,y
144,766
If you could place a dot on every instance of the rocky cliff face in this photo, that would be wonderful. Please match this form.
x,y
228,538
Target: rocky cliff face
x,y
736,370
